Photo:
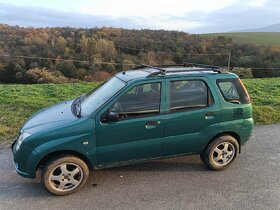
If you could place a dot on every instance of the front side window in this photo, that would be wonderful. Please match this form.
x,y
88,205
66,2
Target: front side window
x,y
140,101
189,94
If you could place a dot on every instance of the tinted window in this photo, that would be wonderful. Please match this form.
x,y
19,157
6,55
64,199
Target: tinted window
x,y
233,91
140,101
229,91
189,94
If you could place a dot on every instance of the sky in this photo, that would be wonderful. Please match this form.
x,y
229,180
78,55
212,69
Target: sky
x,y
192,16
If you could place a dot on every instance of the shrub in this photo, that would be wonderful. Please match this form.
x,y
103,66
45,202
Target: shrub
x,y
243,73
37,75
101,76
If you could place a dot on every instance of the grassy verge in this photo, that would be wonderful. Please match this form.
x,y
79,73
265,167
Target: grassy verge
x,y
18,102
265,94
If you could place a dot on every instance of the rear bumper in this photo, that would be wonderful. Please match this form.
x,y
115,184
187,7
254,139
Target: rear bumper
x,y
246,130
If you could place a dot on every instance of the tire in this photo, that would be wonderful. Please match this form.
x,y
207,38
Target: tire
x,y
220,153
202,158
65,175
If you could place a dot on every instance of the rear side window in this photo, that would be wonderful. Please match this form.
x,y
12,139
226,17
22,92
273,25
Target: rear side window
x,y
233,91
189,94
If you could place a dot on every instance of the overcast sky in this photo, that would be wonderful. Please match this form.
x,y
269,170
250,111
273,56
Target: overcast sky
x,y
194,16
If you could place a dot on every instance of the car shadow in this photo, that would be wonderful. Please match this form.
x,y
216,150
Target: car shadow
x,y
14,186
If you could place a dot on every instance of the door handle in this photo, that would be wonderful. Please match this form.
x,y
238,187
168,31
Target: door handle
x,y
209,115
152,124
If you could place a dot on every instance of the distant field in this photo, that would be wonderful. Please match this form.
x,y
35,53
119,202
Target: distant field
x,y
260,38
18,102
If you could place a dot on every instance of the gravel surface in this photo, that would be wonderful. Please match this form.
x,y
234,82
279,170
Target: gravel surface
x,y
252,182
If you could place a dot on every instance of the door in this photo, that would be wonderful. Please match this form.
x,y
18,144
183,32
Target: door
x,y
193,114
138,132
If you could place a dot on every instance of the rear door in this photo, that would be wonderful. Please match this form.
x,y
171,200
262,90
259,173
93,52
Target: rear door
x,y
193,112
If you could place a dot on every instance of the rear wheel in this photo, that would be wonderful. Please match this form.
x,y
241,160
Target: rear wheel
x,y
220,153
65,175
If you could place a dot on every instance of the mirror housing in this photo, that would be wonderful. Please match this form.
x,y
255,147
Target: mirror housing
x,y
113,117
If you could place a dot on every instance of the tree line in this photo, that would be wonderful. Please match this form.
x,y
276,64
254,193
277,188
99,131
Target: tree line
x,y
37,55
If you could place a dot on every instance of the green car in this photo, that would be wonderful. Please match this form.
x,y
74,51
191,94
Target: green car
x,y
139,115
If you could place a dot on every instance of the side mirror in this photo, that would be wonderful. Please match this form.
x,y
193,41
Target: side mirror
x,y
113,117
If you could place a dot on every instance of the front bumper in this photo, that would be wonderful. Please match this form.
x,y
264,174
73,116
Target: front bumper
x,y
21,161
21,173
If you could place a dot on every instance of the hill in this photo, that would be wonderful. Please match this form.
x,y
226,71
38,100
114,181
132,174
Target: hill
x,y
270,28
44,55
258,38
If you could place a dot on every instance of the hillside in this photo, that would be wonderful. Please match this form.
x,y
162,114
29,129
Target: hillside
x,y
55,55
258,38
270,28
18,102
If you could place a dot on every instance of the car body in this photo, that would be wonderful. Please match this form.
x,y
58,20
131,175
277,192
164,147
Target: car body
x,y
140,115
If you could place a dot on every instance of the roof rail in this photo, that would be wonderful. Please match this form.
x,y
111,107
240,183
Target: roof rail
x,y
201,65
156,73
162,69
141,66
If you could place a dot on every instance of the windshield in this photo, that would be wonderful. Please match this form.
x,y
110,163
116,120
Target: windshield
x,y
96,98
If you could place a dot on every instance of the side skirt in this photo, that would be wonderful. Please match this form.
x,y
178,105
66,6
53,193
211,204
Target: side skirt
x,y
130,162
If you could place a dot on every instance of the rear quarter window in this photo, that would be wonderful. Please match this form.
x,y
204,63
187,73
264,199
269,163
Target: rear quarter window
x,y
233,91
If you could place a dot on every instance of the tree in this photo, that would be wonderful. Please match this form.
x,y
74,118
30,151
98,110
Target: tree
x,y
127,64
61,44
68,69
106,49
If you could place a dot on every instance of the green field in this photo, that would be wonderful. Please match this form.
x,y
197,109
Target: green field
x,y
259,38
18,102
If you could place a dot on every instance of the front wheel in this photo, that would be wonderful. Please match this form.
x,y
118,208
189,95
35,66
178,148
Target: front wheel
x,y
65,175
220,153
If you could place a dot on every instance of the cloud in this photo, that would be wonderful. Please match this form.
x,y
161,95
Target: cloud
x,y
239,16
257,3
41,17
149,8
198,16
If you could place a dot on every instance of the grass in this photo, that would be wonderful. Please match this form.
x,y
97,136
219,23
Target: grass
x,y
265,94
18,102
259,38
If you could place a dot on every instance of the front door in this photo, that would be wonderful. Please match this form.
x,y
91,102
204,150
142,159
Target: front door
x,y
139,131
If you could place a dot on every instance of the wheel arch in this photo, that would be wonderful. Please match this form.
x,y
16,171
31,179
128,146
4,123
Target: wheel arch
x,y
63,152
230,133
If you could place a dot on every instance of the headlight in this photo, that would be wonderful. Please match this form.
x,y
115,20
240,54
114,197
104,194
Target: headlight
x,y
21,139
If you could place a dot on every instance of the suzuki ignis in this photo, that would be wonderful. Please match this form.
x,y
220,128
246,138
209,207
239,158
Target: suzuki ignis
x,y
139,115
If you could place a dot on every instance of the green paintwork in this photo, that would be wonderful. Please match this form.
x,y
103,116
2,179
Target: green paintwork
x,y
56,129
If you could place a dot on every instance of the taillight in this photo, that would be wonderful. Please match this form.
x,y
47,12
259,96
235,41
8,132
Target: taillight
x,y
245,90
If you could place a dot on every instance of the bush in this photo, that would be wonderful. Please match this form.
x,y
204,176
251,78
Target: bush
x,y
37,75
243,73
101,76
